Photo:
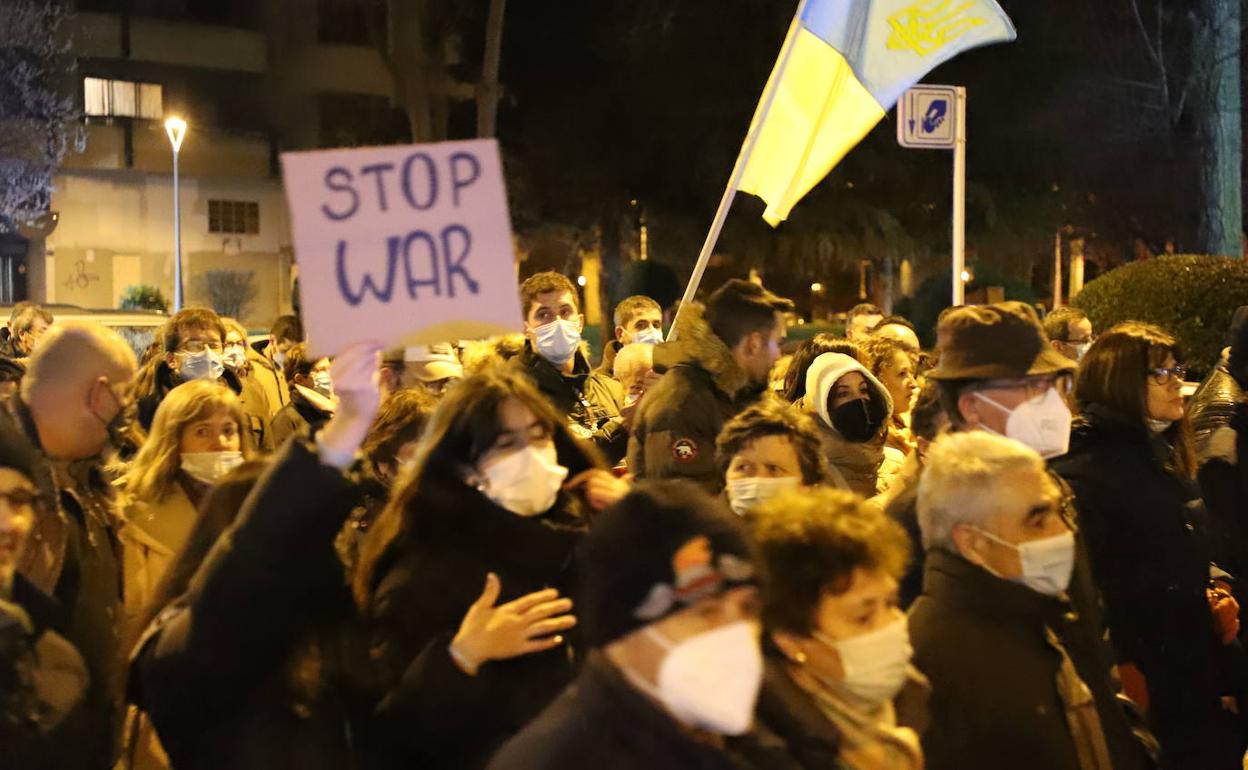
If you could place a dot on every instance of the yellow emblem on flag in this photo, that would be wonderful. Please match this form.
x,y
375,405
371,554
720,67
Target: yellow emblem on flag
x,y
927,27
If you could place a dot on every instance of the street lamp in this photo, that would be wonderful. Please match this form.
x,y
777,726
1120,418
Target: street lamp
x,y
175,127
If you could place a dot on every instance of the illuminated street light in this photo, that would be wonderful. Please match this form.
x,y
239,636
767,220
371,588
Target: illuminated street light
x,y
175,127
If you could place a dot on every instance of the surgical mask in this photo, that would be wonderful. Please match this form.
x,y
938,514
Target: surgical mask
x,y
234,357
651,336
1042,425
1158,426
557,341
210,467
710,681
323,384
279,359
204,365
744,495
875,663
1081,350
525,482
854,421
116,426
1047,564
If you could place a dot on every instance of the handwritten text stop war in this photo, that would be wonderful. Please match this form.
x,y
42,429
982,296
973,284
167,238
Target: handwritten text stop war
x,y
417,184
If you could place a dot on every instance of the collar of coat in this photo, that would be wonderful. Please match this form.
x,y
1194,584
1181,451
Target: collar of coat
x,y
165,380
548,377
949,578
696,345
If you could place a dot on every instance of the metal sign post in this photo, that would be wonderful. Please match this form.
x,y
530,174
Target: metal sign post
x,y
934,117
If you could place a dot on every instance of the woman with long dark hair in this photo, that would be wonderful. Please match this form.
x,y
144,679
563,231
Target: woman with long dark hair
x,y
1133,474
486,503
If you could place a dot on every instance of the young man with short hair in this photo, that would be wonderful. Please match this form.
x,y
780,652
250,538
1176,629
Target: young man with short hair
x,y
268,357
637,319
553,358
860,320
194,346
718,365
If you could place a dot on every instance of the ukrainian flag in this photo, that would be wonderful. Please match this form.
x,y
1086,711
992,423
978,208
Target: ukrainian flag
x,y
844,64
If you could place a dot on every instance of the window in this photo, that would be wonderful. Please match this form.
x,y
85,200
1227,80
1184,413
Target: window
x,y
353,22
122,98
242,217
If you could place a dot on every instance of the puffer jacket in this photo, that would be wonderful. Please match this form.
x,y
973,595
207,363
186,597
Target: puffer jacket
x,y
676,424
1219,415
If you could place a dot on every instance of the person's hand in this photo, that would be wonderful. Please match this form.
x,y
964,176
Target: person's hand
x,y
356,382
522,627
627,413
1225,610
599,487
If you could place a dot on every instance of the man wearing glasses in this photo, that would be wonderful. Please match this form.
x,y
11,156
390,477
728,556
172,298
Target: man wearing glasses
x,y
1069,332
194,350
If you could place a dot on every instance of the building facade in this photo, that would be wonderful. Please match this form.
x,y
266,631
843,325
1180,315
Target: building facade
x,y
251,80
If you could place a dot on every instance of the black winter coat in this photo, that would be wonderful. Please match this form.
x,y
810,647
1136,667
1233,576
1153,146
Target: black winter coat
x,y
678,420
249,670
1219,415
1147,535
298,418
434,715
995,702
591,401
602,723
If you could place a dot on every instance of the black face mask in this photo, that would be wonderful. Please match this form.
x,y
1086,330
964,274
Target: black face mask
x,y
855,421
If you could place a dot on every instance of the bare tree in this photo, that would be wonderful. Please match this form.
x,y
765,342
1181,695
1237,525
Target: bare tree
x,y
38,112
229,292
488,92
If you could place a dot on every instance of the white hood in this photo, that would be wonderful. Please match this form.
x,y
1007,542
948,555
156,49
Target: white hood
x,y
822,375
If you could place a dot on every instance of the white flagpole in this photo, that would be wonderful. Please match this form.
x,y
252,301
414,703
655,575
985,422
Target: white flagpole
x,y
738,170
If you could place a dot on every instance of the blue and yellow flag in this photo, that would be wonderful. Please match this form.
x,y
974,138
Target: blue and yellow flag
x,y
844,65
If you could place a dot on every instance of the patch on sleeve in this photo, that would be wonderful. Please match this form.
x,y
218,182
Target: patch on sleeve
x,y
684,450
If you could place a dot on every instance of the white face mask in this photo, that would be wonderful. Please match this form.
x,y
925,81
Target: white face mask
x,y
744,495
209,467
323,384
1158,426
1047,564
1081,350
1042,425
651,336
234,356
710,681
525,482
204,365
557,341
279,359
876,662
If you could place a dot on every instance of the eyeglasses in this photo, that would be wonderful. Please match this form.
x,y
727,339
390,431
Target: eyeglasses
x,y
1164,376
199,346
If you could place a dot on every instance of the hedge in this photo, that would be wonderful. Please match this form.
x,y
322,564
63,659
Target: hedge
x,y
1190,296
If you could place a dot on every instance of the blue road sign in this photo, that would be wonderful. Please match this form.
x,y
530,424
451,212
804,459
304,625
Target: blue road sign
x,y
926,117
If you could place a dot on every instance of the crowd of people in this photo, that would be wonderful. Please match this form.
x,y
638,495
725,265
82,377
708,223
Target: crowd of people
x,y
1018,549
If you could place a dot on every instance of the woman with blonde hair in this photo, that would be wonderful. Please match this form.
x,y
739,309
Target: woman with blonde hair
x,y
197,437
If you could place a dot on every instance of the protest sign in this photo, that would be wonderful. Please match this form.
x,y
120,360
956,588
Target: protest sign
x,y
402,245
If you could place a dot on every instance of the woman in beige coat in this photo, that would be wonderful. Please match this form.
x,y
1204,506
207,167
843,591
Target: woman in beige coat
x,y
197,437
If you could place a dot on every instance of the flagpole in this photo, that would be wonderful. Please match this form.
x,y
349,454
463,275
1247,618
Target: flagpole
x,y
738,170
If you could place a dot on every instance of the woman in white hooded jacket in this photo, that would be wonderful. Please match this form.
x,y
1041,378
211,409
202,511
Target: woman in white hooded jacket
x,y
853,408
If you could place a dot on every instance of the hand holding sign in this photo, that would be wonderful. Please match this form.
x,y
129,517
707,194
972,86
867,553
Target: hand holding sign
x,y
405,245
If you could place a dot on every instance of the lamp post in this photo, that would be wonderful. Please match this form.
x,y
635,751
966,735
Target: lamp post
x,y
175,127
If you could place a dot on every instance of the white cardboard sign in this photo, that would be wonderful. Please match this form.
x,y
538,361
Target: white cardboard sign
x,y
402,245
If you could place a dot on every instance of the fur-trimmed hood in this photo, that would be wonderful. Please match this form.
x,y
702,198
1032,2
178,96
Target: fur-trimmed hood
x,y
697,345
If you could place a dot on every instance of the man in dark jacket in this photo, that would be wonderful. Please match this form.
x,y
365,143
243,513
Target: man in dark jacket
x,y
1017,681
553,359
670,611
1219,415
717,365
194,340
72,406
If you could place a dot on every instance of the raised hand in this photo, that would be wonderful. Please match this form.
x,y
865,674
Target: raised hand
x,y
527,625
